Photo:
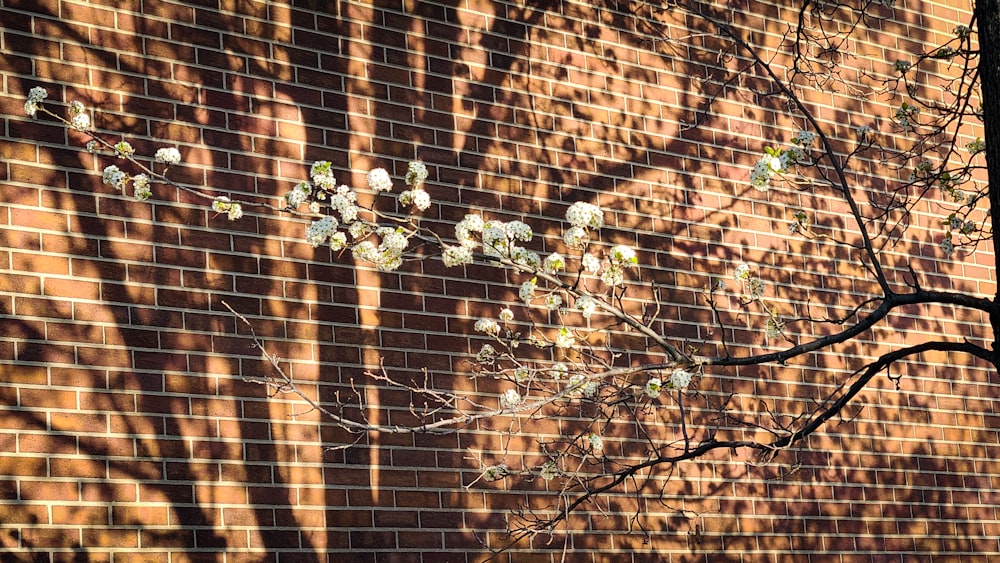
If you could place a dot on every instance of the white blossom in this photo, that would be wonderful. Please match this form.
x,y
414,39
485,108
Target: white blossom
x,y
379,180
595,442
558,371
113,176
621,254
488,326
456,256
518,230
80,121
590,263
359,230
167,155
548,471
466,227
320,230
34,101
613,275
565,338
124,149
140,187
338,241
585,215
416,198
223,204
416,174
653,387
586,305
527,291
510,399
321,173
486,354
554,263
298,195
742,272
805,139
494,472
576,238
679,378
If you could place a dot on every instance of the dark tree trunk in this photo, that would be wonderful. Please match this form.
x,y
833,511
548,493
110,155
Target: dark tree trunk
x,y
988,22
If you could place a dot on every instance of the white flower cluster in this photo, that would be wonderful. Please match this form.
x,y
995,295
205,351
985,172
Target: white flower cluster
x,y
765,169
79,119
320,231
753,286
223,204
488,326
527,291
124,149
495,472
653,387
777,161
140,187
586,305
510,399
582,217
680,379
321,173
565,338
578,383
388,254
35,97
298,195
548,471
619,258
487,354
168,156
595,442
416,196
379,180
113,176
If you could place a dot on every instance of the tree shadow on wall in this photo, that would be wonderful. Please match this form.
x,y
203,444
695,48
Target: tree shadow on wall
x,y
135,391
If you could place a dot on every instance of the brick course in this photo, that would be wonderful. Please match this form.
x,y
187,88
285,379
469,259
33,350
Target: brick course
x,y
131,426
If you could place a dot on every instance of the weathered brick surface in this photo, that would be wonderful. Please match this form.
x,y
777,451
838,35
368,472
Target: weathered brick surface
x,y
130,424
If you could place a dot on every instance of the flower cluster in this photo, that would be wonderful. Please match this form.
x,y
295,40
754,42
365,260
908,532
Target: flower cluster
x,y
582,217
232,209
488,326
167,155
653,387
34,101
510,399
680,379
753,286
619,258
140,187
548,471
595,442
495,472
777,161
379,180
387,255
906,115
79,119
416,196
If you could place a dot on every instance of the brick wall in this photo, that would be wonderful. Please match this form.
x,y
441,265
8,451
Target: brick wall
x,y
131,423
